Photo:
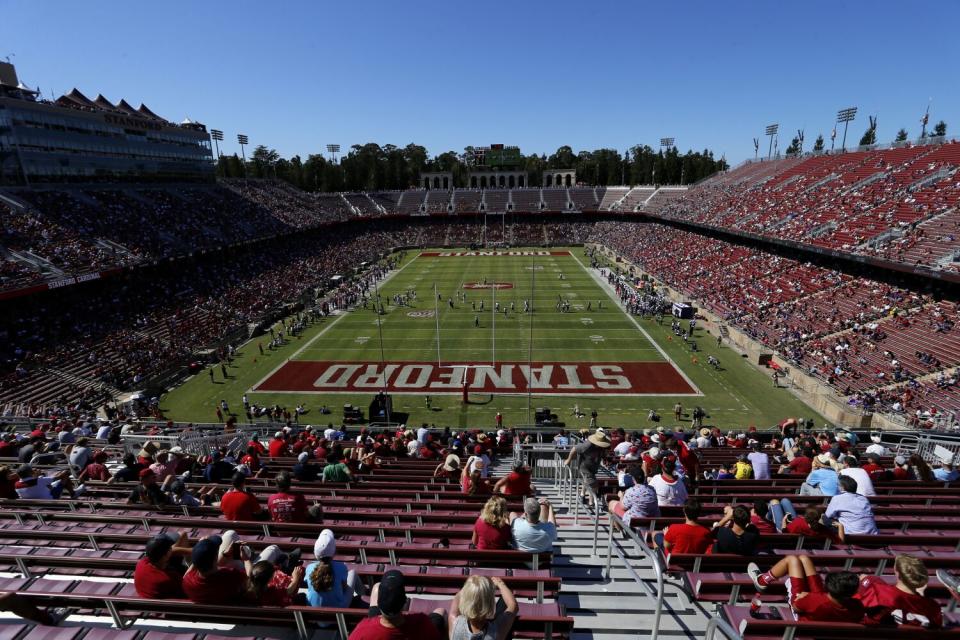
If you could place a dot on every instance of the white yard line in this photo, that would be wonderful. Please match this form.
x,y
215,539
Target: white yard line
x,y
613,295
342,314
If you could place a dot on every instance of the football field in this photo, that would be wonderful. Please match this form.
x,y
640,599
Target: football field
x,y
463,330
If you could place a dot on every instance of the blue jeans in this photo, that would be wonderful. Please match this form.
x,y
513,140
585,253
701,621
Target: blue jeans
x,y
777,511
807,490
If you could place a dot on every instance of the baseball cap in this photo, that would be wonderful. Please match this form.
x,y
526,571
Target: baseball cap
x,y
205,552
303,457
271,554
146,473
900,460
24,470
229,538
326,545
158,545
823,458
392,596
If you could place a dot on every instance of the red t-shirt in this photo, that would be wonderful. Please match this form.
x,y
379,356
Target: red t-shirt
x,y
688,538
8,490
872,468
252,462
762,524
802,527
517,484
151,581
239,505
899,473
278,448
801,465
888,605
415,625
223,586
491,537
287,507
817,606
97,471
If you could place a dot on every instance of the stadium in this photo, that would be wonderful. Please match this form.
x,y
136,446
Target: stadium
x,y
502,393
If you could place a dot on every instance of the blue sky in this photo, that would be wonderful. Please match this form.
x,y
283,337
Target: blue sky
x,y
296,75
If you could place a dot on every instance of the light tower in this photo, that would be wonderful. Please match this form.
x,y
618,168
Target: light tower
x,y
243,140
771,131
333,150
846,116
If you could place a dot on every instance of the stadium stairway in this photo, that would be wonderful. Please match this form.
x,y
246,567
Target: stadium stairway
x,y
614,608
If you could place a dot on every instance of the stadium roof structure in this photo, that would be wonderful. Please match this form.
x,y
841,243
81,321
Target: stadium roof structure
x,y
76,99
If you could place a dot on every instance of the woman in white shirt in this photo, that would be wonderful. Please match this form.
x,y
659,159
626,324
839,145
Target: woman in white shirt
x,y
671,492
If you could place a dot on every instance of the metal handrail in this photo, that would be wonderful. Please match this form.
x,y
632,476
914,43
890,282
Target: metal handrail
x,y
717,623
655,559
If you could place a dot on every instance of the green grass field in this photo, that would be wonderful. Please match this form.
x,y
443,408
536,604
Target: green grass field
x,y
625,365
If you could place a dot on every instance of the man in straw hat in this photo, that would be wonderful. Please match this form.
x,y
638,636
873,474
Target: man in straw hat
x,y
586,457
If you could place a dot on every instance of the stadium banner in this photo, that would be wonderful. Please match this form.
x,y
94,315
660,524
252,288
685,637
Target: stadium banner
x,y
542,378
489,254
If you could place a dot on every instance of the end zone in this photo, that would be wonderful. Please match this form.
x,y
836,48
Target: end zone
x,y
489,254
542,378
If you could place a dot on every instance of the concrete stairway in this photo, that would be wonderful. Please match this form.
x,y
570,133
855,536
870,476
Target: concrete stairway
x,y
618,607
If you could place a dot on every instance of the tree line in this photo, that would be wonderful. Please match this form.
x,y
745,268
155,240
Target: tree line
x,y
372,167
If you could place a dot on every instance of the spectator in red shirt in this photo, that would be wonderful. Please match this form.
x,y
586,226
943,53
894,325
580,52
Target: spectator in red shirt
x,y
284,505
8,483
386,619
278,446
270,587
874,468
208,583
97,469
810,525
492,529
8,446
449,468
689,537
902,603
473,483
256,444
813,599
758,517
252,460
801,465
516,483
159,573
238,504
901,470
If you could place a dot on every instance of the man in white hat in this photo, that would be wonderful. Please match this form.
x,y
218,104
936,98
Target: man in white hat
x,y
946,472
588,455
876,447
823,480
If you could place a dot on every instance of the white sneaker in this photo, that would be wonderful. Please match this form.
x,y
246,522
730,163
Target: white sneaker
x,y
754,572
950,581
79,491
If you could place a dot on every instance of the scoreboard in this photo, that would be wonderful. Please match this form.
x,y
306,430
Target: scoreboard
x,y
499,155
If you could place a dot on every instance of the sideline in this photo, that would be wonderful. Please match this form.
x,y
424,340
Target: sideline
x,y
340,315
612,294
